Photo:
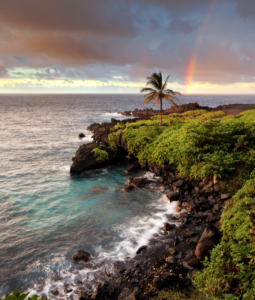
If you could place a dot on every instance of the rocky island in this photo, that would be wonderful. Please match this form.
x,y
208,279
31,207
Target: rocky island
x,y
205,159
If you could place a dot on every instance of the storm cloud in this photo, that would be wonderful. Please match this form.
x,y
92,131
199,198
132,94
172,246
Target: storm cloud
x,y
104,39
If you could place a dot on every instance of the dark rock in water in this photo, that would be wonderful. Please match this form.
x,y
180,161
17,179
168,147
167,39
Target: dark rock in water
x,y
125,292
81,135
68,289
139,182
133,168
141,249
101,293
129,188
97,189
168,227
172,196
55,293
85,160
82,296
155,169
81,255
132,296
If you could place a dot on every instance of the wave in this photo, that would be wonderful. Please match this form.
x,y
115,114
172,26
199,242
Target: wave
x,y
59,272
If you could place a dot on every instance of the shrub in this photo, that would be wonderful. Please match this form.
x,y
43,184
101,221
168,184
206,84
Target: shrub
x,y
198,142
100,154
16,295
231,272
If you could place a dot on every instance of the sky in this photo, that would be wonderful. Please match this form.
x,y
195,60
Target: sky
x,y
111,46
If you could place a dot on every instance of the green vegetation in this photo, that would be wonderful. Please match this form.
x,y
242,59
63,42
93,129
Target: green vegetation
x,y
16,295
158,91
231,272
202,143
198,142
100,154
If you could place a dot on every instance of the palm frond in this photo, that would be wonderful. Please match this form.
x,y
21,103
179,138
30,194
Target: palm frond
x,y
149,97
168,91
169,99
156,102
164,85
152,82
147,89
171,96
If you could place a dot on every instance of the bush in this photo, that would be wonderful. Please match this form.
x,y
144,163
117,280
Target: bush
x,y
198,142
16,295
231,272
100,154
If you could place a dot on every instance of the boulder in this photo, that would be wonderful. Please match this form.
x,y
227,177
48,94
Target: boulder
x,y
133,168
141,249
132,296
209,239
178,183
212,232
125,292
225,196
216,187
81,135
81,255
155,169
210,219
128,188
206,191
100,293
85,159
81,295
139,182
194,262
173,196
204,248
168,227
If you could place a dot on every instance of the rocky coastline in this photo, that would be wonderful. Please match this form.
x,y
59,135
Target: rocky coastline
x,y
182,243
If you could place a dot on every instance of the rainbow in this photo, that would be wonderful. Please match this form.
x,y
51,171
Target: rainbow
x,y
192,61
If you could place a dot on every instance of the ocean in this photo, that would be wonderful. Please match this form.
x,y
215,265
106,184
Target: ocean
x,y
46,215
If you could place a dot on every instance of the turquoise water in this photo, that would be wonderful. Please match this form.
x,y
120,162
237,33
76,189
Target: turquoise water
x,y
46,215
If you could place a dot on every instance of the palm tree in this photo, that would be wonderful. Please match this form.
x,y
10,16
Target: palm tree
x,y
158,91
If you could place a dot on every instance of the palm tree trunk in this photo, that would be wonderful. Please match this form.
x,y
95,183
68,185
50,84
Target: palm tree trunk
x,y
160,111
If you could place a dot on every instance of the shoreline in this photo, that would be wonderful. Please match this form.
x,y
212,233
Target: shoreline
x,y
176,248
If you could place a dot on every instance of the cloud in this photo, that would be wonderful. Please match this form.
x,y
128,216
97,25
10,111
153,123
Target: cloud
x,y
246,9
125,40
101,17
